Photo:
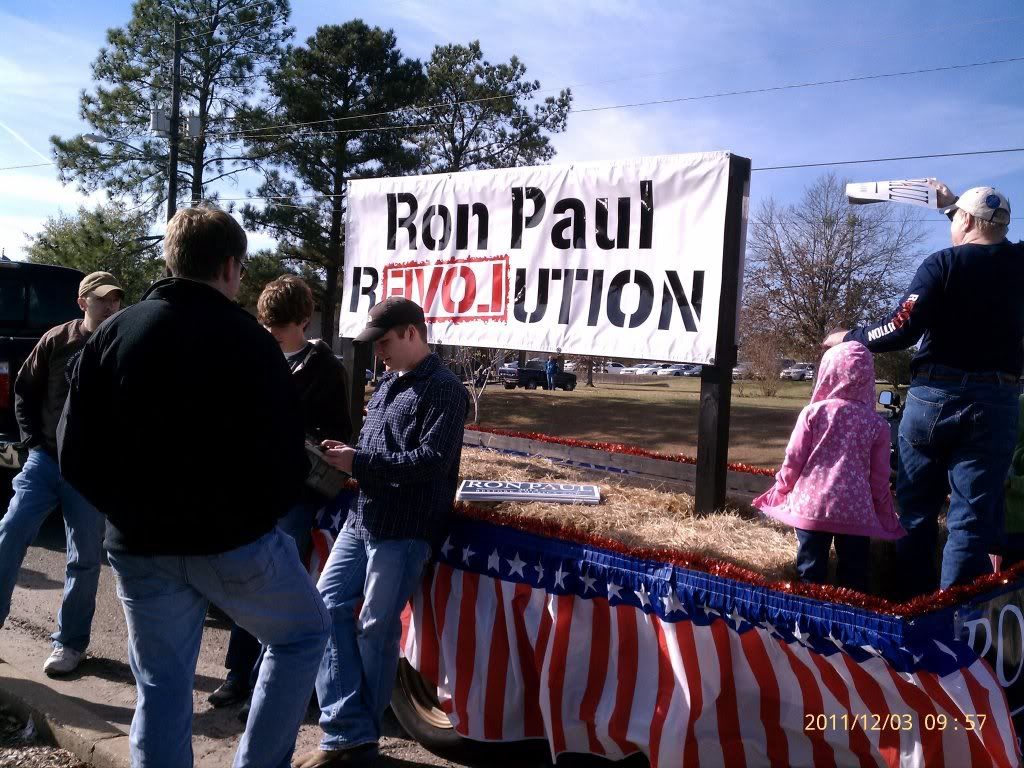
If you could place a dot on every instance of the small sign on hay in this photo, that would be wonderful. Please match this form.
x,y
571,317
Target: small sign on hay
x,y
549,493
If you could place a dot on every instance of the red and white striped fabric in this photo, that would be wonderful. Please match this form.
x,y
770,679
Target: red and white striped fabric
x,y
594,675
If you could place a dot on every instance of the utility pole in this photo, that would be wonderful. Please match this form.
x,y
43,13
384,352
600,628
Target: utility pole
x,y
172,156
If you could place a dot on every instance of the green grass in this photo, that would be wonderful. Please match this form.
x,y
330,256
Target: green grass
x,y
657,413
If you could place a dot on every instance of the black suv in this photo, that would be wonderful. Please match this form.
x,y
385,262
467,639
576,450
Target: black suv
x,y
33,299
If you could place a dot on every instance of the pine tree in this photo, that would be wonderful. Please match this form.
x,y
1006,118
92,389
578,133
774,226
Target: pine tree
x,y
227,47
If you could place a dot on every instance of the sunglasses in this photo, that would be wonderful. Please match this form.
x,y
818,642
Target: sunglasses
x,y
244,264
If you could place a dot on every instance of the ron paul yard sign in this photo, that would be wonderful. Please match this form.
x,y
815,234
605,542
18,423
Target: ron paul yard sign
x,y
551,493
619,258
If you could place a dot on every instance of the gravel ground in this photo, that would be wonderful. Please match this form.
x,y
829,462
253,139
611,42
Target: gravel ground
x,y
20,747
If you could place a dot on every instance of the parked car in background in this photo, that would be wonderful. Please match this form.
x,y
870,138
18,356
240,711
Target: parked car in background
x,y
798,372
33,299
571,366
613,367
676,369
693,370
652,369
632,370
742,371
534,376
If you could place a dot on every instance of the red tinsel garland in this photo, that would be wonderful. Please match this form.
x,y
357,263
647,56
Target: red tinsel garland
x,y
632,450
697,562
943,598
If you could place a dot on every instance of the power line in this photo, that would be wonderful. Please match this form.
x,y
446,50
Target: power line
x,y
846,44
889,159
29,165
226,42
586,110
356,117
646,74
245,7
228,26
325,196
340,131
794,86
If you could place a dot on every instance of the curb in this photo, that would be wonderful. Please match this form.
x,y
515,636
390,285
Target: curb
x,y
63,720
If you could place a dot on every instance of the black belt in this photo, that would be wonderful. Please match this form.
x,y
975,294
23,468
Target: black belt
x,y
942,373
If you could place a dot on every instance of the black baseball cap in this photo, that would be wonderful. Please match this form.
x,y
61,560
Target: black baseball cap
x,y
393,311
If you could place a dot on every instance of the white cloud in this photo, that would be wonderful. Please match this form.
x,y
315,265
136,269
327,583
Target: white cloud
x,y
28,200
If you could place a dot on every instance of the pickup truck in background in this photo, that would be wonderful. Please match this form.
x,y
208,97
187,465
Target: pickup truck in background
x,y
533,376
33,299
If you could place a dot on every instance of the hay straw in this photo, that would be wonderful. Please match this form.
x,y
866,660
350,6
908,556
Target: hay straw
x,y
641,516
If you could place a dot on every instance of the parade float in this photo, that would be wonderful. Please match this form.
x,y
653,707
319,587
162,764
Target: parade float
x,y
661,622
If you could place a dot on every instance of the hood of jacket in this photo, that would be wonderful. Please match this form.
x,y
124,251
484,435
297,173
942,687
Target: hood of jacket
x,y
846,372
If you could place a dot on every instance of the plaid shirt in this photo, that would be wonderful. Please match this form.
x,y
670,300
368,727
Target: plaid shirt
x,y
407,458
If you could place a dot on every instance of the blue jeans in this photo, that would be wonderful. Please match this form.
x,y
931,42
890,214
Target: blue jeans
x,y
956,436
358,670
263,588
38,489
853,554
242,659
551,381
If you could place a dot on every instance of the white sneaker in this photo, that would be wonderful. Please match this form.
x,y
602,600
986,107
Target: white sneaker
x,y
62,661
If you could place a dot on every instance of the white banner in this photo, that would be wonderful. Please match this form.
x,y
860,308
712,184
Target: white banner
x,y
615,259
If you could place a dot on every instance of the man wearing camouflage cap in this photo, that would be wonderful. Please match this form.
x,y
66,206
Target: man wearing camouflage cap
x,y
959,426
40,391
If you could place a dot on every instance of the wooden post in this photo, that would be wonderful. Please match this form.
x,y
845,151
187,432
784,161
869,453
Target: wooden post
x,y
716,380
356,359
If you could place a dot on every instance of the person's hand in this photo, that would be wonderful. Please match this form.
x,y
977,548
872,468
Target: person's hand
x,y
836,337
943,194
340,457
326,445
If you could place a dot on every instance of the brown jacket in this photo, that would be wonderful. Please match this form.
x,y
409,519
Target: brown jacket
x,y
42,384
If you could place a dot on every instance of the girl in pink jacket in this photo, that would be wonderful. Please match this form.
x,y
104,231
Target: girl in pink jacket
x,y
834,482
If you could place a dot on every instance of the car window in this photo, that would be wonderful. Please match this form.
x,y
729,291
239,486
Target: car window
x,y
12,303
52,302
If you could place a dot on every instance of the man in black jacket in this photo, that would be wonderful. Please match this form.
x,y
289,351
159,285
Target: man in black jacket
x,y
959,426
183,428
285,308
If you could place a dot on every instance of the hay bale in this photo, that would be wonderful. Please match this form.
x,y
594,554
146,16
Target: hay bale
x,y
641,516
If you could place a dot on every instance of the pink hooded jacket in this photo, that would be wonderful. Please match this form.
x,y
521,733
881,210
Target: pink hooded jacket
x,y
835,477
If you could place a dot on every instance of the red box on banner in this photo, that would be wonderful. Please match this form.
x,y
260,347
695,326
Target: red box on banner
x,y
474,288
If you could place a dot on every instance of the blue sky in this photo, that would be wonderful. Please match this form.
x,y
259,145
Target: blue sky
x,y
619,52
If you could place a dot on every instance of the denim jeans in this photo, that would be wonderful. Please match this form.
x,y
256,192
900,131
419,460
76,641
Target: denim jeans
x,y
852,558
358,670
956,436
38,489
242,659
264,589
551,380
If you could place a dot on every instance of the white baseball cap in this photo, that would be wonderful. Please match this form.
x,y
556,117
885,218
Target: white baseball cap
x,y
986,203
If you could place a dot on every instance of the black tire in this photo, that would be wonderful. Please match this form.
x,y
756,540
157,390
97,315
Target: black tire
x,y
415,706
510,386
570,386
531,385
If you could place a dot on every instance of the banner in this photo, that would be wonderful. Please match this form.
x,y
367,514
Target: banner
x,y
608,259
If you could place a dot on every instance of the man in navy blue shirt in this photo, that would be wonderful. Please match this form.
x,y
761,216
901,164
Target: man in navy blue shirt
x,y
407,466
966,307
